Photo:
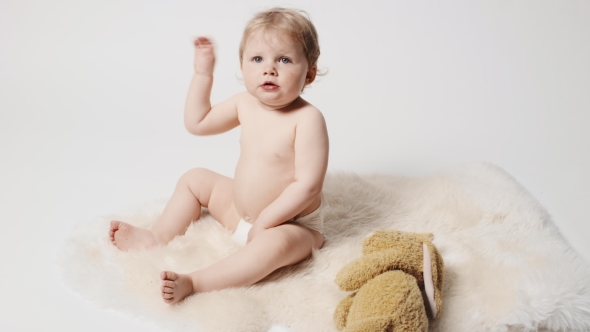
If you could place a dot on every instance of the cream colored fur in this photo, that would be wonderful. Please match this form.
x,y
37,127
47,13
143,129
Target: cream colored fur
x,y
507,268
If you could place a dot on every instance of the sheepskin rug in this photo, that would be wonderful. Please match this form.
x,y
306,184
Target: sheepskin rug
x,y
507,268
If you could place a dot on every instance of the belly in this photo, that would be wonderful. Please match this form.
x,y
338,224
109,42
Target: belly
x,y
258,182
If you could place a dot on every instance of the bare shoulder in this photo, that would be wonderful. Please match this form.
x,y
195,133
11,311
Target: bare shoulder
x,y
311,140
241,98
311,132
309,115
243,101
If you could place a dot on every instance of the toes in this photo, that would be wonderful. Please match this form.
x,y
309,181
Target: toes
x,y
168,275
168,283
112,237
115,225
119,226
174,287
167,286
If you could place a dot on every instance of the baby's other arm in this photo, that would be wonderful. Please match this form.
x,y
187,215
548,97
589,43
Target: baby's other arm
x,y
199,117
311,163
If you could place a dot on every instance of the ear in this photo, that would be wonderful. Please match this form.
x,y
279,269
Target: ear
x,y
311,74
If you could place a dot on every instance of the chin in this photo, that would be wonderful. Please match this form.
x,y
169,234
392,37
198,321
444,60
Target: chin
x,y
279,103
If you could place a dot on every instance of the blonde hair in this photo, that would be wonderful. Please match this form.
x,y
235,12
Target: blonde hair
x,y
295,23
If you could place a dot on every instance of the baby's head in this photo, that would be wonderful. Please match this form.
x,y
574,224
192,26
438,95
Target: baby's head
x,y
286,23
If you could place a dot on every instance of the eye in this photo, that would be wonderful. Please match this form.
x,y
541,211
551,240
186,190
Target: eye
x,y
257,59
284,60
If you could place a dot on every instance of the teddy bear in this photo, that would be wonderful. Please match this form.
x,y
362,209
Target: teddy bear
x,y
397,284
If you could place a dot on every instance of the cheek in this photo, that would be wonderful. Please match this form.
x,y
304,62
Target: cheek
x,y
297,77
300,78
247,67
247,74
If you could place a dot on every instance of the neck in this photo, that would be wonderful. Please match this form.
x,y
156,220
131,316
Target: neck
x,y
294,103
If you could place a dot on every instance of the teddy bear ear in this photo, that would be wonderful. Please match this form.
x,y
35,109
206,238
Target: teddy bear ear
x,y
437,268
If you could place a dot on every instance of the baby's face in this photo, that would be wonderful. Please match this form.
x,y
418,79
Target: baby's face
x,y
274,68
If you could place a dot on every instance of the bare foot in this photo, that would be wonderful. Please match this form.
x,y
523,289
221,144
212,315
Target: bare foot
x,y
126,237
175,287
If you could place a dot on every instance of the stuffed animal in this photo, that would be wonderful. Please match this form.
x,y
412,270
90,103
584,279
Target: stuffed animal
x,y
398,283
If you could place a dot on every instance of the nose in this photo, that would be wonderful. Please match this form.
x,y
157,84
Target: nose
x,y
270,70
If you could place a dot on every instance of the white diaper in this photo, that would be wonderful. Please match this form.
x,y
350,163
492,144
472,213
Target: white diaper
x,y
241,234
314,220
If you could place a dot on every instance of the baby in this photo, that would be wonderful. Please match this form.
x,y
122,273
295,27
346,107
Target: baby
x,y
274,201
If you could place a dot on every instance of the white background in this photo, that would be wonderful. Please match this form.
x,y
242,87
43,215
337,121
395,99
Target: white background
x,y
92,94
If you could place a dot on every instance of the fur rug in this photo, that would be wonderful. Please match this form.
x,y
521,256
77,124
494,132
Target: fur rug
x,y
507,268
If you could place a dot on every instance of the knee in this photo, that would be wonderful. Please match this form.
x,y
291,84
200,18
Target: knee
x,y
192,176
292,245
283,244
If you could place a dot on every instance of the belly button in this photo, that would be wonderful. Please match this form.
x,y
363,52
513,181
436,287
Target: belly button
x,y
246,218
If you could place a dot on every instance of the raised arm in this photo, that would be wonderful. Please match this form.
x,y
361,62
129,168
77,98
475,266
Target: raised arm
x,y
199,117
311,163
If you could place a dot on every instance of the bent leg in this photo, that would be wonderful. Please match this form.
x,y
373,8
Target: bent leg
x,y
197,187
273,248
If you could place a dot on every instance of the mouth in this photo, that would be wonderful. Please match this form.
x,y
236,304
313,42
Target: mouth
x,y
269,86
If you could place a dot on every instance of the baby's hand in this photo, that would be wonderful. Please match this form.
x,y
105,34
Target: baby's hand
x,y
204,56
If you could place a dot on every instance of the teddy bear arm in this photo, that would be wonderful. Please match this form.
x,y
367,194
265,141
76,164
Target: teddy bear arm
x,y
341,313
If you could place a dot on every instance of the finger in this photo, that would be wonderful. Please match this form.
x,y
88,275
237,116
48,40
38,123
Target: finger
x,y
202,41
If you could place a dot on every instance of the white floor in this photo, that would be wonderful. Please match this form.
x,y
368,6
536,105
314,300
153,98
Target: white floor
x,y
91,98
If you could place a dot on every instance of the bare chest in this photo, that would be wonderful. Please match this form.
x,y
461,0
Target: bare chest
x,y
269,136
